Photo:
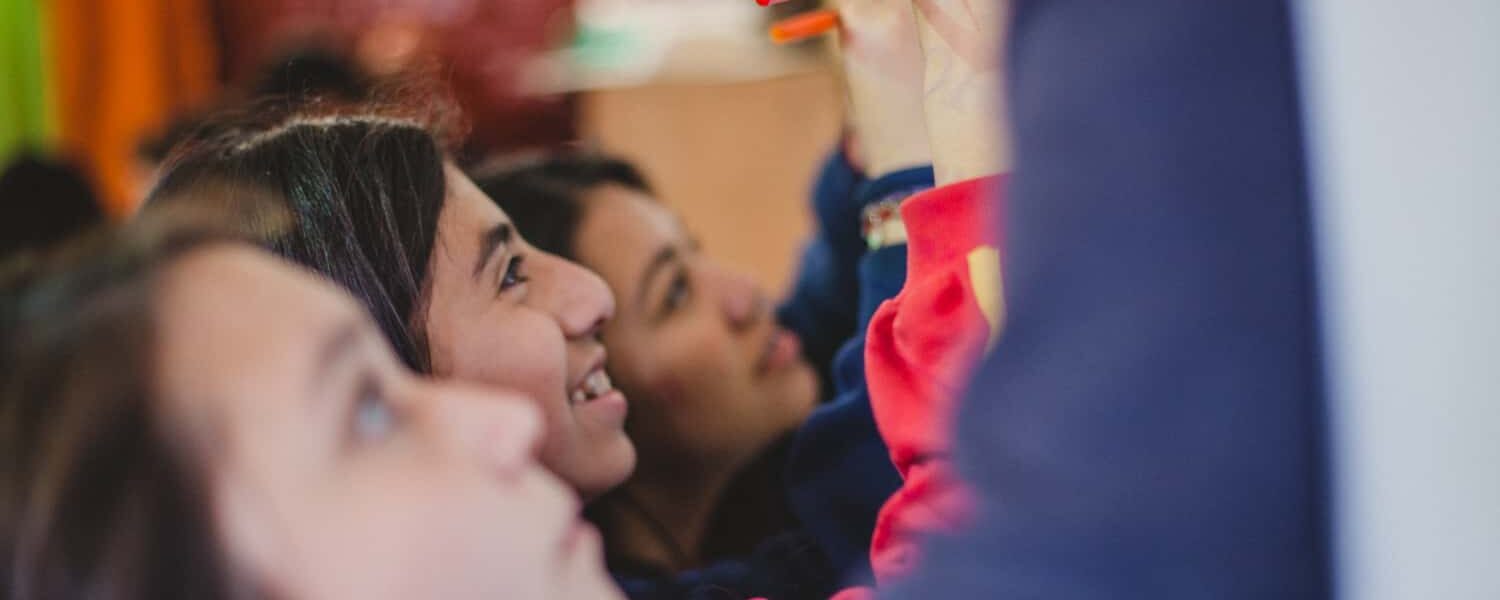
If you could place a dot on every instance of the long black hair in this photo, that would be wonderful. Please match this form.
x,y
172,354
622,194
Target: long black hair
x,y
544,195
96,499
301,75
363,187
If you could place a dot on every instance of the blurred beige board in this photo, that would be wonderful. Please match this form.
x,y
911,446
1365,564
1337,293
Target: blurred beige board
x,y
622,43
736,160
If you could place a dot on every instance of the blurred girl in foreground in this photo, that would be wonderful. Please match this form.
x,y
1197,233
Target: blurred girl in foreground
x,y
185,416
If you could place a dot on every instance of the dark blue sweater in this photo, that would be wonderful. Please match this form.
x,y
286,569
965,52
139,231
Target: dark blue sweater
x,y
838,471
1149,425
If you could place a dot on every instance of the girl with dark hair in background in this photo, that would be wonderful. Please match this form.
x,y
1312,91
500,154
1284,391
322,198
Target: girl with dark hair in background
x,y
723,383
185,416
734,444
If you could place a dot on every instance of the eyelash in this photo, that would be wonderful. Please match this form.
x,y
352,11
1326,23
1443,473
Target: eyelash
x,y
512,276
677,292
372,397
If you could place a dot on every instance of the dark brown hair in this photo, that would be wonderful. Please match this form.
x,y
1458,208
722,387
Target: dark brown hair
x,y
363,187
544,195
96,500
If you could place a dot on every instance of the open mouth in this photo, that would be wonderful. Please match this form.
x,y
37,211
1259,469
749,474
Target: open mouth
x,y
594,385
595,398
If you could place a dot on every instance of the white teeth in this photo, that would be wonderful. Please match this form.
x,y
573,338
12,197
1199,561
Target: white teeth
x,y
597,384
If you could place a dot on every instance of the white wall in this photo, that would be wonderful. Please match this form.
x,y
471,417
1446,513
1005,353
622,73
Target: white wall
x,y
1402,100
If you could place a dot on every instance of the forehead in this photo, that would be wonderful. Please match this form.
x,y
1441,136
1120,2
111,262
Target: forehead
x,y
239,328
619,233
467,218
467,212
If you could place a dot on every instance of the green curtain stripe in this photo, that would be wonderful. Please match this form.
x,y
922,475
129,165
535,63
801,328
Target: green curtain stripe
x,y
25,112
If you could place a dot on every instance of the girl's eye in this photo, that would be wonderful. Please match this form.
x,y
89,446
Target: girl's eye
x,y
374,418
677,293
513,275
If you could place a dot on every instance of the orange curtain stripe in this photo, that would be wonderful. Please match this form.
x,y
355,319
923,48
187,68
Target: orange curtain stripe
x,y
121,70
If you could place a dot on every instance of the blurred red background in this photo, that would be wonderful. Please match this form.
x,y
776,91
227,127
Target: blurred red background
x,y
731,137
483,46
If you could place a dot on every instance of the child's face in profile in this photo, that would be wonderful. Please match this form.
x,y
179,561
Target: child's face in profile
x,y
335,473
502,313
711,375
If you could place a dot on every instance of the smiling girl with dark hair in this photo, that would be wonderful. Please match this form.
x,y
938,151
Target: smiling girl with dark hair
x,y
376,206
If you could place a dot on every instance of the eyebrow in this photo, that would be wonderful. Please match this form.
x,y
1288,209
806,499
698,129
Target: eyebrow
x,y
665,256
489,241
335,348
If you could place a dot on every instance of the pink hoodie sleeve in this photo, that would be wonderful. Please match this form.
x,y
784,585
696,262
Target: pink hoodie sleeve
x,y
920,349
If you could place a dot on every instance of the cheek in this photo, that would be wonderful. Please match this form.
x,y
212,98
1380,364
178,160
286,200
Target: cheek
x,y
525,353
693,366
406,529
695,391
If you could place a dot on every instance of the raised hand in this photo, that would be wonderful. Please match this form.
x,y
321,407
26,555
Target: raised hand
x,y
962,41
960,91
884,69
971,28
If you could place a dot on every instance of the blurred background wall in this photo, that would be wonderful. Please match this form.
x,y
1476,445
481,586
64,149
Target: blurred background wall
x,y
729,127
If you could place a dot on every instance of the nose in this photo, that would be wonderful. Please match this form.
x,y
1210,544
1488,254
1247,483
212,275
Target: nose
x,y
740,298
501,429
575,296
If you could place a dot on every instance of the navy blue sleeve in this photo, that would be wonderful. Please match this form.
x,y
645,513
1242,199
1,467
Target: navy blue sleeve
x,y
729,575
1149,426
819,308
839,471
788,566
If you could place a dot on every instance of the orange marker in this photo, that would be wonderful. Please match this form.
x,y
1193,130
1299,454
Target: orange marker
x,y
804,26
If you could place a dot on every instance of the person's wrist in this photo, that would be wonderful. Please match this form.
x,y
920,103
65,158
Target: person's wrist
x,y
854,153
967,122
883,67
882,164
892,135
963,78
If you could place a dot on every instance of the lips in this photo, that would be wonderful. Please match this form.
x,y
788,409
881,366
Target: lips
x,y
592,385
593,396
782,348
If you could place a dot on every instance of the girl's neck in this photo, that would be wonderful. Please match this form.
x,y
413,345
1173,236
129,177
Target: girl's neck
x,y
661,521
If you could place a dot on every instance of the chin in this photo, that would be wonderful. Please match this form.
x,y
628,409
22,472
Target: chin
x,y
621,460
797,386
